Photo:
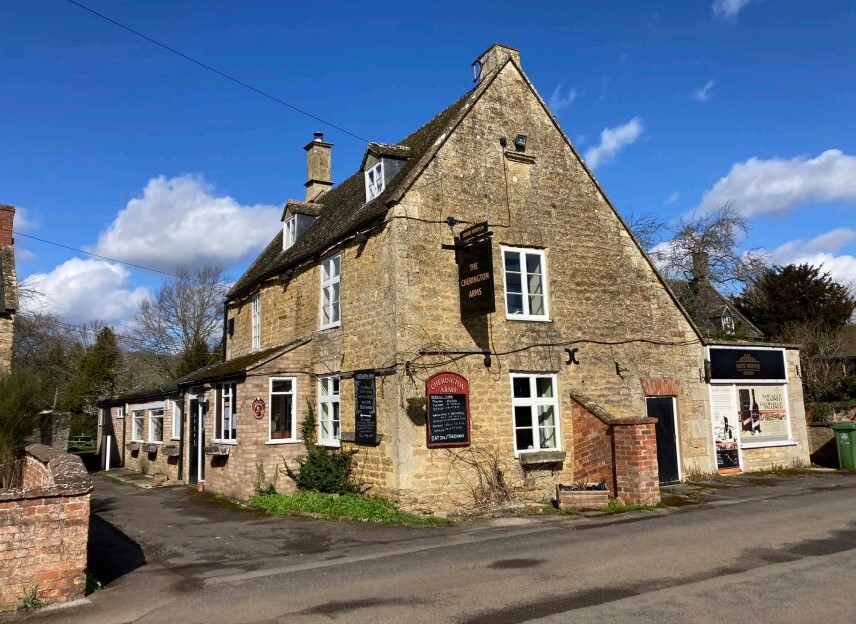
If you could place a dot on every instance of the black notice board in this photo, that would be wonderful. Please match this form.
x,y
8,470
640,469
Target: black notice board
x,y
747,364
365,413
448,420
475,279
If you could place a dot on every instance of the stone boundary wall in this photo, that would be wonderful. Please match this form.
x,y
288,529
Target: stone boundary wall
x,y
821,442
621,450
44,529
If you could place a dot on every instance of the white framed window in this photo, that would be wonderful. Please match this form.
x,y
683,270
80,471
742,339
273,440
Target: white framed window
x,y
535,409
283,414
227,425
156,425
138,419
257,322
329,422
525,278
176,420
289,232
330,282
374,181
728,322
120,413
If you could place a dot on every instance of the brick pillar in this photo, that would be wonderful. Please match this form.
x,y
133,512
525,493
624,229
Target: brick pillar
x,y
636,472
7,215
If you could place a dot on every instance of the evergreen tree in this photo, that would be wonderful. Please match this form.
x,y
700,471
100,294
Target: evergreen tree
x,y
793,295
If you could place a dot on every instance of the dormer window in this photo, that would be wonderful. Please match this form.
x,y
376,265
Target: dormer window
x,y
289,232
728,323
374,181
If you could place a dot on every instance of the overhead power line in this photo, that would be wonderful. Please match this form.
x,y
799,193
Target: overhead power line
x,y
136,266
217,71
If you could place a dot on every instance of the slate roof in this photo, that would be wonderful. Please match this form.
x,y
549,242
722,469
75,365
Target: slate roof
x,y
344,208
706,305
239,365
139,396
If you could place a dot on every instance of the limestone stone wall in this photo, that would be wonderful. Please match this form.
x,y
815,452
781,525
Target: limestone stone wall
x,y
605,298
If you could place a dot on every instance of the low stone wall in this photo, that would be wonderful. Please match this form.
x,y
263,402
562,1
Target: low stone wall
x,y
44,529
821,445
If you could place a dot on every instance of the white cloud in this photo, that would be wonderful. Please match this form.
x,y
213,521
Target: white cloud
x,y
25,221
23,255
705,93
180,221
81,290
673,198
821,250
612,141
728,9
777,185
559,101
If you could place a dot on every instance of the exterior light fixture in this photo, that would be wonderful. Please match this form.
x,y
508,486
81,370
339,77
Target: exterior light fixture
x,y
520,142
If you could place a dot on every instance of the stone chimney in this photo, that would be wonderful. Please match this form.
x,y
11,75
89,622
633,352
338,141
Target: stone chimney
x,y
492,59
319,177
7,215
701,266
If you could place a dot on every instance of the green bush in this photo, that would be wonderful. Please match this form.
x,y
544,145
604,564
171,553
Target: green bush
x,y
19,417
324,470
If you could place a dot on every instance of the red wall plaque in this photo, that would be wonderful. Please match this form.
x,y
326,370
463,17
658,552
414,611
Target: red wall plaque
x,y
448,410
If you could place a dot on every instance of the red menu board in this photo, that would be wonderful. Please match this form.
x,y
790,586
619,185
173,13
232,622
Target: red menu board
x,y
448,410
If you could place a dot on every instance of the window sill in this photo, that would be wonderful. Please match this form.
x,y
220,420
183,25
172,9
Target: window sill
x,y
334,326
755,445
155,442
529,319
175,439
330,443
275,442
228,442
530,458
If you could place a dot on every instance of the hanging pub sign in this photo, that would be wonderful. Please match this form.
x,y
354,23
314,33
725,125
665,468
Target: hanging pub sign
x,y
475,271
365,408
738,364
448,410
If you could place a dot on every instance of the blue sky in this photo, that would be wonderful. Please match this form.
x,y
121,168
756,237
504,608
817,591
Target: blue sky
x,y
114,145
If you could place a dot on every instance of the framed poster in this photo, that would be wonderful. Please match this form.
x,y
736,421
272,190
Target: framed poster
x,y
448,410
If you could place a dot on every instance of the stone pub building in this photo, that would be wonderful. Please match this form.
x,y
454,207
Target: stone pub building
x,y
479,251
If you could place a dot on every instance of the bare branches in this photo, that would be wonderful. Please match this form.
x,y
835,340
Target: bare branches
x,y
185,312
648,228
706,246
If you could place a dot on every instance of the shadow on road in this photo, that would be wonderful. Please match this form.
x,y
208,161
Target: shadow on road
x,y
112,554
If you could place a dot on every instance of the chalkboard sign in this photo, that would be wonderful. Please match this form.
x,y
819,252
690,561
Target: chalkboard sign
x,y
365,414
448,410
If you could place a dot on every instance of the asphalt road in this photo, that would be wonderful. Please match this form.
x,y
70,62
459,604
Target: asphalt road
x,y
775,550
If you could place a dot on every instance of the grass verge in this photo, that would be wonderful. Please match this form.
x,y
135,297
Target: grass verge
x,y
345,507
615,507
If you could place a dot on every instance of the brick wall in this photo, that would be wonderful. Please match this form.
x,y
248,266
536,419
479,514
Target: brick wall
x,y
636,470
593,458
44,528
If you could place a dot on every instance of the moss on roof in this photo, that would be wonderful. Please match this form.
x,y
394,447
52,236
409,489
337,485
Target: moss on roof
x,y
232,368
344,208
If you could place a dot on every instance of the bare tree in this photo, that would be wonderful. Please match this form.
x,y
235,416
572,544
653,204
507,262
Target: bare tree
x,y
648,228
707,246
185,312
818,345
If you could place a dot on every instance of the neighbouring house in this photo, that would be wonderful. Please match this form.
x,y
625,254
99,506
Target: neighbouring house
x,y
469,311
845,354
713,314
8,286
